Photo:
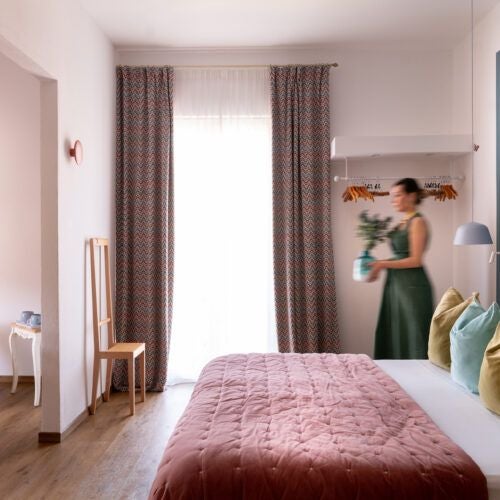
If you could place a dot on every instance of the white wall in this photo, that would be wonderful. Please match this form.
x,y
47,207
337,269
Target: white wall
x,y
57,39
388,93
20,248
373,92
358,303
471,268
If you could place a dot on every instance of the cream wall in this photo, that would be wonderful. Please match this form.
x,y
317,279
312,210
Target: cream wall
x,y
471,268
374,92
358,303
56,39
20,245
388,93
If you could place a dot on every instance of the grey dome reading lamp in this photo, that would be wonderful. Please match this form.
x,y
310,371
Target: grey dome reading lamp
x,y
472,233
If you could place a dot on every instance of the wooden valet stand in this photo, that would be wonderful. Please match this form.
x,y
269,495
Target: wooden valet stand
x,y
116,350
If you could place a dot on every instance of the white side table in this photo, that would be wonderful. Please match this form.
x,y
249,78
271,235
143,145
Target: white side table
x,y
35,335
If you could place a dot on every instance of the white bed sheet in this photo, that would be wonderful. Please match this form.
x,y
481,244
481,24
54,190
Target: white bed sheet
x,y
457,412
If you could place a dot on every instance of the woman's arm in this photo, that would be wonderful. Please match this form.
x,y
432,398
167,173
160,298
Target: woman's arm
x,y
417,238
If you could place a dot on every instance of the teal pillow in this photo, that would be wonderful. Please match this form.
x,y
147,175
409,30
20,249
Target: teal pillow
x,y
469,337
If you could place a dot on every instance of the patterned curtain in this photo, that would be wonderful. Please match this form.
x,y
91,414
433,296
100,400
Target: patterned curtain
x,y
303,259
144,218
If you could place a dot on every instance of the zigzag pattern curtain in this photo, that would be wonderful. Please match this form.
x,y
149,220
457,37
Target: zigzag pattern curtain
x,y
303,259
144,218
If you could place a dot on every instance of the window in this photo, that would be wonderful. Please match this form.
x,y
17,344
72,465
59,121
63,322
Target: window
x,y
223,288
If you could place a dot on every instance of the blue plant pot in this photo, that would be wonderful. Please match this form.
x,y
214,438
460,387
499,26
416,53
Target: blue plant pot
x,y
361,268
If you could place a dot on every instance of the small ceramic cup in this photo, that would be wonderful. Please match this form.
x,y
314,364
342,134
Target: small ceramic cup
x,y
35,320
25,317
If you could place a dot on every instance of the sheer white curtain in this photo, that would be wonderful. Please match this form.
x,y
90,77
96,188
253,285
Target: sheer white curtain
x,y
223,289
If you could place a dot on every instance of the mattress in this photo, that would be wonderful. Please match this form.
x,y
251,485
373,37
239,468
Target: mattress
x,y
456,411
309,426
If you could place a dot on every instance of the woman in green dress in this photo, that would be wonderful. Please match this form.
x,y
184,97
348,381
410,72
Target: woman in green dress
x,y
407,305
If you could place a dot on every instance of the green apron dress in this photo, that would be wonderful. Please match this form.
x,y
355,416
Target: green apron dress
x,y
407,307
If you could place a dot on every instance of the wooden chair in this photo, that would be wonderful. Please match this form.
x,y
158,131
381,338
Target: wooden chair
x,y
115,350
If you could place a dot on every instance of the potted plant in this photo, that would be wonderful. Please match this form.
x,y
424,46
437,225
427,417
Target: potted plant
x,y
372,230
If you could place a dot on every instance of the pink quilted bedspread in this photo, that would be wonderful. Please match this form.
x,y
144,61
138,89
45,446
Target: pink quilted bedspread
x,y
309,426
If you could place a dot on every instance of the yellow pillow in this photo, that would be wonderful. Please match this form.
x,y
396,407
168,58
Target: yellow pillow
x,y
489,377
450,307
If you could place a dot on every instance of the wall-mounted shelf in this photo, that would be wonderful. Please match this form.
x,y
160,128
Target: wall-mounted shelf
x,y
357,147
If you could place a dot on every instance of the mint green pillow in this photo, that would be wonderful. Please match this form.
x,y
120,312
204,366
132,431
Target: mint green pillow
x,y
469,337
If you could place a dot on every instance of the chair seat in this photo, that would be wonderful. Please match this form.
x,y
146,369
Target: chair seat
x,y
122,348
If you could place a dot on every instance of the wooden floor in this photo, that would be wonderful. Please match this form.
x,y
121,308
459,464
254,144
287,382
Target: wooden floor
x,y
109,456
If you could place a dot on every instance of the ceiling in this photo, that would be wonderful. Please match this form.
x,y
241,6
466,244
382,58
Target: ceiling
x,y
285,23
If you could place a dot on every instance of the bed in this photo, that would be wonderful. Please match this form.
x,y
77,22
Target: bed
x,y
456,411
321,426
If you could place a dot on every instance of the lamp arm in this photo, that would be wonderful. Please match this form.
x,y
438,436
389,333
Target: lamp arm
x,y
493,254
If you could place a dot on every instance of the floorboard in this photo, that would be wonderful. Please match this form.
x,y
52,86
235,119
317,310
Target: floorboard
x,y
109,456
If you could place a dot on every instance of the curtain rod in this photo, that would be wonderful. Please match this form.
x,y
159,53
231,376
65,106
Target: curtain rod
x,y
332,65
372,178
